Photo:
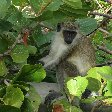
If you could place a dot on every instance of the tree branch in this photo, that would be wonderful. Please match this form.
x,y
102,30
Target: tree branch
x,y
43,8
104,49
100,14
105,63
12,47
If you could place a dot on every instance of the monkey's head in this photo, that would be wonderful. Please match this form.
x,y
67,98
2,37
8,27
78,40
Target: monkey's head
x,y
69,31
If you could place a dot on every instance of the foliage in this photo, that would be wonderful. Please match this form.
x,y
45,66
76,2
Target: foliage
x,y
26,30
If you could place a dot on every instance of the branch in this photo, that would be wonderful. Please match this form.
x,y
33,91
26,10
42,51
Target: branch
x,y
104,49
100,14
43,8
103,64
42,25
104,31
12,47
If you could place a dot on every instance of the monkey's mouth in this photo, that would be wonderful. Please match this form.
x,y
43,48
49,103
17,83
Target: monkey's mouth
x,y
69,36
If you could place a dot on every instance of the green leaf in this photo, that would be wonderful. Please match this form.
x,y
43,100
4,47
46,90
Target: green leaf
x,y
45,16
5,25
4,5
39,6
55,5
87,25
22,85
13,97
32,49
77,86
32,101
31,73
8,108
76,4
42,39
28,13
93,84
3,69
20,2
94,74
108,89
106,72
2,90
19,54
14,15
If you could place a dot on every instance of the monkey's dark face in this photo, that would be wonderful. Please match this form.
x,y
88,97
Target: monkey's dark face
x,y
69,35
68,30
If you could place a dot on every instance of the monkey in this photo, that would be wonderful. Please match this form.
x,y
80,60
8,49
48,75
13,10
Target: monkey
x,y
71,52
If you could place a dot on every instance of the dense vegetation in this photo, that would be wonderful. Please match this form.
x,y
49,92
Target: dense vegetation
x,y
26,31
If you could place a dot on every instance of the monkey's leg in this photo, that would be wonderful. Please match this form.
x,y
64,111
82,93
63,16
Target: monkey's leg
x,y
60,75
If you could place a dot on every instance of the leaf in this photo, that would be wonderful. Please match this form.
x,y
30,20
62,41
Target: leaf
x,y
14,16
108,89
45,16
28,12
3,69
94,74
8,108
42,39
2,90
106,72
32,101
93,84
19,54
87,25
76,4
4,5
39,6
13,97
5,25
55,5
30,73
22,85
32,49
77,86
20,2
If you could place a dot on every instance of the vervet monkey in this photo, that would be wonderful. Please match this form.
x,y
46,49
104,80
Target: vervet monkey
x,y
71,52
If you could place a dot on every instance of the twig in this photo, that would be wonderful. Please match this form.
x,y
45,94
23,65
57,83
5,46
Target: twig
x,y
43,8
100,14
103,64
42,25
105,49
98,3
11,48
104,31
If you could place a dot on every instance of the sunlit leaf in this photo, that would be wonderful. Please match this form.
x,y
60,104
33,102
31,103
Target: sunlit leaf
x,y
19,54
13,97
32,101
77,86
3,69
31,73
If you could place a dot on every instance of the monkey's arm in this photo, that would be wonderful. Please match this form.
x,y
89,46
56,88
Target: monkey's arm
x,y
59,52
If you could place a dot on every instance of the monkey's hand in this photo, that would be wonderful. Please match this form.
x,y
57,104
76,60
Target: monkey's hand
x,y
51,64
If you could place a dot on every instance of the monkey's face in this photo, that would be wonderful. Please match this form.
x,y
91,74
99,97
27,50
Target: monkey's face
x,y
69,31
69,36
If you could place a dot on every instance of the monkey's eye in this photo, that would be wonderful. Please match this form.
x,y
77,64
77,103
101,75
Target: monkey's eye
x,y
69,36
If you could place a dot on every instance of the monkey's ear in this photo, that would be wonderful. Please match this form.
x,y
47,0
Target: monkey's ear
x,y
58,27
